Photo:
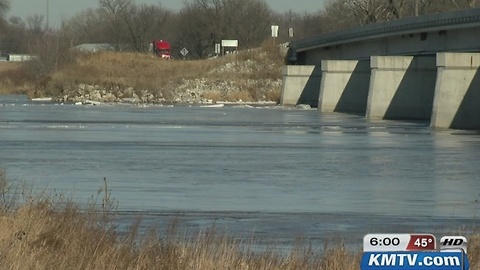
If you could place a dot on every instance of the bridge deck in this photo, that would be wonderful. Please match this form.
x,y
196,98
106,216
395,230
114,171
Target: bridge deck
x,y
427,23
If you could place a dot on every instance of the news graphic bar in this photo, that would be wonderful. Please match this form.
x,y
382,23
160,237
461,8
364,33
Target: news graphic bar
x,y
414,252
414,260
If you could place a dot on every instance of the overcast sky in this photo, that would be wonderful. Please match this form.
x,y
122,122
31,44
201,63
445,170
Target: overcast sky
x,y
66,8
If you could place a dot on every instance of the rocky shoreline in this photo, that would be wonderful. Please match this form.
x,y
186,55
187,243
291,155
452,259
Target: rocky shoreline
x,y
93,94
86,94
189,92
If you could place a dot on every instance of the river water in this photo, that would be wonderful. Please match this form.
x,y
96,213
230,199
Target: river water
x,y
271,172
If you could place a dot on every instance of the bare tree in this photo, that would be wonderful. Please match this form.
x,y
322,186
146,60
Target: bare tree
x,y
88,26
472,3
202,23
144,24
395,9
464,4
248,21
435,6
115,7
120,23
338,15
420,6
197,30
35,24
4,7
367,11
373,11
311,24
14,36
113,14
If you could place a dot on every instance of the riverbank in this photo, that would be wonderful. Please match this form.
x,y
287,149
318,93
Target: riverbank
x,y
52,232
249,76
55,233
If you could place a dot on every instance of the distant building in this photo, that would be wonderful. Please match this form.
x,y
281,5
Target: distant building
x,y
94,47
19,57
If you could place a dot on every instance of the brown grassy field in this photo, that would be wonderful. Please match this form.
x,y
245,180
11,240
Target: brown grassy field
x,y
52,232
248,70
5,65
9,74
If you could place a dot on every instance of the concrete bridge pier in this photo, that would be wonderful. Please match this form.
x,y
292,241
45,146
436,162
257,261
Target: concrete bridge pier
x,y
401,87
457,91
301,85
344,86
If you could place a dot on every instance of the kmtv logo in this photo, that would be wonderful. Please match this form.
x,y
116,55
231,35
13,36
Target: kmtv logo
x,y
453,243
417,260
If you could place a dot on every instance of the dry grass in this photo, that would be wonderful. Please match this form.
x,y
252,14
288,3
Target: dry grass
x,y
13,78
5,65
248,72
46,233
41,236
130,69
473,250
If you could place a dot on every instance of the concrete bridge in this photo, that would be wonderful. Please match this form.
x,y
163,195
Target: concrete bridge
x,y
419,68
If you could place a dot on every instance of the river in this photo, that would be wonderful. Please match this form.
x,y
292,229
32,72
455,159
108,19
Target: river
x,y
271,172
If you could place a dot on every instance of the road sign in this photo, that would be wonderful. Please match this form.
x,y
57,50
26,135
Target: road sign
x,y
184,52
274,30
230,43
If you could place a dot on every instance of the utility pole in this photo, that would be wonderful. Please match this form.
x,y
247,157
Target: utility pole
x,y
48,15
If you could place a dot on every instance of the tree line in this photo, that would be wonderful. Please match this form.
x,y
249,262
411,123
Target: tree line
x,y
199,24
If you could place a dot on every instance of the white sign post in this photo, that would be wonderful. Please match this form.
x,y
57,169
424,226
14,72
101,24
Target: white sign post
x,y
217,49
290,32
230,43
274,33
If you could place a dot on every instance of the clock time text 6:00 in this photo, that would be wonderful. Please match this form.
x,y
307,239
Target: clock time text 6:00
x,y
395,241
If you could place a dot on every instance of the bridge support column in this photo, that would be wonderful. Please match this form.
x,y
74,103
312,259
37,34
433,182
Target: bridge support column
x,y
344,86
401,87
301,85
457,91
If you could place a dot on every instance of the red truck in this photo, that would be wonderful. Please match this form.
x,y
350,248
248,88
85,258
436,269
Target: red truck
x,y
162,48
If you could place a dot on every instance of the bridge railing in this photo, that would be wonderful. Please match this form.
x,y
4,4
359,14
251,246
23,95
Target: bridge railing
x,y
425,23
